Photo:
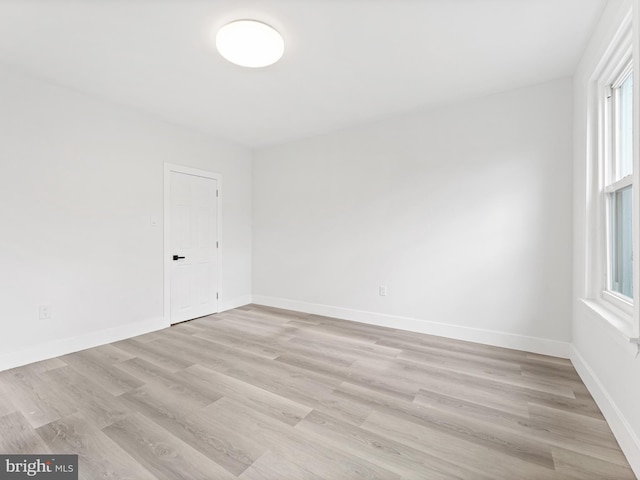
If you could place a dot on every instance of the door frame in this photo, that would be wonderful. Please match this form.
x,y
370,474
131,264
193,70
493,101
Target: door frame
x,y
168,169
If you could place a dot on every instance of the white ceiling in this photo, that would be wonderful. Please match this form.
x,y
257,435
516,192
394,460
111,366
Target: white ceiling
x,y
346,61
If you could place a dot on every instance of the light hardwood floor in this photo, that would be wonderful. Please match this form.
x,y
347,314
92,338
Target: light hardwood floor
x,y
258,393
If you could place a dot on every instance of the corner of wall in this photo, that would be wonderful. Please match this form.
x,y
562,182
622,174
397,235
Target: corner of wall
x,y
621,428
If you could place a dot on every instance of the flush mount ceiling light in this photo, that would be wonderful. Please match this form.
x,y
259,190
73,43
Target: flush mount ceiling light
x,y
250,43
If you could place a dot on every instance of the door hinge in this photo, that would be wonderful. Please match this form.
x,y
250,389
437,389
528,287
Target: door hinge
x,y
217,193
217,296
217,245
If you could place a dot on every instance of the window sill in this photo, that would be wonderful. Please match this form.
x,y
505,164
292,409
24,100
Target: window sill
x,y
619,321
619,306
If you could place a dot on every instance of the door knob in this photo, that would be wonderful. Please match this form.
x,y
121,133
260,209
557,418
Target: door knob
x,y
176,257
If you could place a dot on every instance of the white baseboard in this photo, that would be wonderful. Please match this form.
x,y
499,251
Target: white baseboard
x,y
234,303
489,337
64,346
622,430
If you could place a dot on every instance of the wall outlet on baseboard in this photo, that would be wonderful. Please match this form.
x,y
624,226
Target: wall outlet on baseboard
x,y
382,290
45,312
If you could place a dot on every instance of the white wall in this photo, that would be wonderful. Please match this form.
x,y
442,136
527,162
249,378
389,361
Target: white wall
x,y
463,212
79,182
605,360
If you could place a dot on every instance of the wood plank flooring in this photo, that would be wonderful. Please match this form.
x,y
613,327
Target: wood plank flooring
x,y
263,394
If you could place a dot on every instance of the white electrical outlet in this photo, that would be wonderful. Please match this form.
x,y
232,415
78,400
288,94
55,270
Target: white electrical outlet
x,y
383,290
45,312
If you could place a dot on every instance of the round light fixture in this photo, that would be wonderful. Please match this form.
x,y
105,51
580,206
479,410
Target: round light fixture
x,y
250,43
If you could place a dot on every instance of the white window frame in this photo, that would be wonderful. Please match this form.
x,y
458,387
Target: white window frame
x,y
617,309
609,160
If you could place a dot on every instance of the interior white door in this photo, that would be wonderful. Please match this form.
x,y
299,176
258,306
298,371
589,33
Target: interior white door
x,y
193,237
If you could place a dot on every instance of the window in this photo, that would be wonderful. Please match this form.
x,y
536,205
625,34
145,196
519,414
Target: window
x,y
612,182
618,189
